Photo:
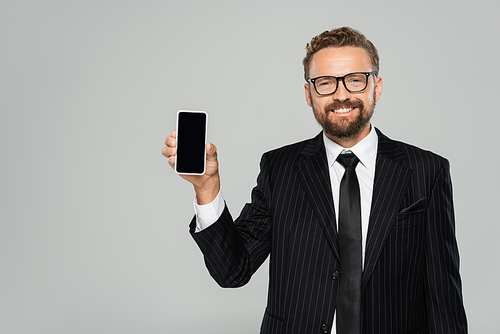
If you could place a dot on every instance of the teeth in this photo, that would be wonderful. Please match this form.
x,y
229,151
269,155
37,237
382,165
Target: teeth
x,y
342,110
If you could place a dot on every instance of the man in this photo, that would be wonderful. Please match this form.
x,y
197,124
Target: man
x,y
359,228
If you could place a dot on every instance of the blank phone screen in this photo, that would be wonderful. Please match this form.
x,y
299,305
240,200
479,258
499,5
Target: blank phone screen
x,y
191,137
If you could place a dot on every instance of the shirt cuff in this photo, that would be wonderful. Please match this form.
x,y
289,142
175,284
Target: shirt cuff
x,y
209,213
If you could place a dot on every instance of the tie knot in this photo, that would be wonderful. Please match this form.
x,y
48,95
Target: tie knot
x,y
348,160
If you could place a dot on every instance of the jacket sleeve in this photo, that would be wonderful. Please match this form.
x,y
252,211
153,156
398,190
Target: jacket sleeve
x,y
445,309
234,250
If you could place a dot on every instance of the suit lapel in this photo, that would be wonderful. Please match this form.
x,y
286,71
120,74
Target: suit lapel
x,y
315,177
391,180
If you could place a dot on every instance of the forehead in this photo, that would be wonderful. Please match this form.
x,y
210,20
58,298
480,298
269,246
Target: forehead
x,y
339,61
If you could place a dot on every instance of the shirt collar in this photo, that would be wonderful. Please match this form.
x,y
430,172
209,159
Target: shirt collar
x,y
365,150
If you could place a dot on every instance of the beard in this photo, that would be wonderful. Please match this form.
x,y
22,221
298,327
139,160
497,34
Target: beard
x,y
345,127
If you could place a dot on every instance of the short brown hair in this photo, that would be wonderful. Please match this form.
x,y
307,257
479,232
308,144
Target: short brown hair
x,y
344,36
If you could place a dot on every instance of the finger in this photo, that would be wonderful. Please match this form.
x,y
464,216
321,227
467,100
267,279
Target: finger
x,y
211,151
169,152
164,151
171,161
169,139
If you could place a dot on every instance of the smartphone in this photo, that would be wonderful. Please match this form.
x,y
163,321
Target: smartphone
x,y
191,139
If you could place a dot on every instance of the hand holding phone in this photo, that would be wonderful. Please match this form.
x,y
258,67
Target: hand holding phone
x,y
207,185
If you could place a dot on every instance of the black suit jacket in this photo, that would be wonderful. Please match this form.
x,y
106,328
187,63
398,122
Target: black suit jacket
x,y
411,281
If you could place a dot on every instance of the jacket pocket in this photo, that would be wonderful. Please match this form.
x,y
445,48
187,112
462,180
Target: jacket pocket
x,y
417,206
411,218
271,324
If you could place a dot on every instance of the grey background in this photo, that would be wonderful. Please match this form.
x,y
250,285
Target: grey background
x,y
93,222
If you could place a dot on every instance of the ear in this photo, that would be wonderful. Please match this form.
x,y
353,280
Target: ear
x,y
378,88
308,95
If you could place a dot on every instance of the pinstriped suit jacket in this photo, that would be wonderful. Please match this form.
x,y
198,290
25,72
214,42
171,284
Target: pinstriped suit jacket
x,y
411,281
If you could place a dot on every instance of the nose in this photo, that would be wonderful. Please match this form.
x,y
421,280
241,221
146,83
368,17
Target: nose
x,y
342,94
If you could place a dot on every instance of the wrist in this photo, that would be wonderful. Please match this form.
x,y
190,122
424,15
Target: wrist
x,y
208,191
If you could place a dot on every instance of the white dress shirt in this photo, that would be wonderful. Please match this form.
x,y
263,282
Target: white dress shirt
x,y
365,150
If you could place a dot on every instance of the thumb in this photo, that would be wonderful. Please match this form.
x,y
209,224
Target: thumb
x,y
211,151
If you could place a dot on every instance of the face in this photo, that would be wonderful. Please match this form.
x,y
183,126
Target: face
x,y
344,116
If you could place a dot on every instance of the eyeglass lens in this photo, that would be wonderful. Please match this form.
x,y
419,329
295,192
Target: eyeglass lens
x,y
354,82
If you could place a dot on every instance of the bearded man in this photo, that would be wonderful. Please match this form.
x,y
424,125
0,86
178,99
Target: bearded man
x,y
359,228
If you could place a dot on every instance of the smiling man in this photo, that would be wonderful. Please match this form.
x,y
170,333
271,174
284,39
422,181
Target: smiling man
x,y
359,228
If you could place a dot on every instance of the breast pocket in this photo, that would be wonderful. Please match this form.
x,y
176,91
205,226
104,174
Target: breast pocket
x,y
410,218
412,214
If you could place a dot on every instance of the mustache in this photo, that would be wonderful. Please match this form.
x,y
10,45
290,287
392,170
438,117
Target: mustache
x,y
344,104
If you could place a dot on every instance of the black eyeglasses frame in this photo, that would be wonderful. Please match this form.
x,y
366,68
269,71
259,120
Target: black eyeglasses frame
x,y
313,81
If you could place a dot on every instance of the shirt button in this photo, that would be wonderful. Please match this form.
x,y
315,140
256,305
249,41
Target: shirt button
x,y
324,328
335,275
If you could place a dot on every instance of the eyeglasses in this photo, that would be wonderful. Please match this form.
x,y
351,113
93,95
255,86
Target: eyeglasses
x,y
353,82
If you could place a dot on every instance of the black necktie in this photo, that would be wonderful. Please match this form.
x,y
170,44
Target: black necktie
x,y
349,298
